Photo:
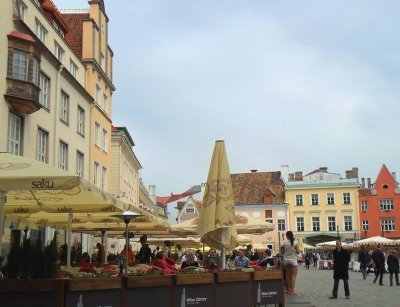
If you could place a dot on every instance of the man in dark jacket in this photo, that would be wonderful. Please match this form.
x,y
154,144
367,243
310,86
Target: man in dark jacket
x,y
363,260
341,259
379,258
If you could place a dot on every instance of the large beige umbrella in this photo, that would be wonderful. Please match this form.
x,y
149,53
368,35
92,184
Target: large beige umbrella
x,y
244,225
29,186
375,241
216,225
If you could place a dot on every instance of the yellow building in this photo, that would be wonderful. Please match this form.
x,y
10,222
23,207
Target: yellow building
x,y
322,205
88,37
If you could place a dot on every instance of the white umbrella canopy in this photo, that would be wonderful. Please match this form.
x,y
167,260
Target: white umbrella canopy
x,y
375,241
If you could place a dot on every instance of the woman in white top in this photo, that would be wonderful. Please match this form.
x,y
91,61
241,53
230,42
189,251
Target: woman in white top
x,y
290,250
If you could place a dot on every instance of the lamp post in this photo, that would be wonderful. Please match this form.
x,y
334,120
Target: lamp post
x,y
127,216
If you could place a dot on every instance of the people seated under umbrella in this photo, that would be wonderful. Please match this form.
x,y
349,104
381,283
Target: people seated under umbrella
x,y
164,263
241,261
190,260
131,255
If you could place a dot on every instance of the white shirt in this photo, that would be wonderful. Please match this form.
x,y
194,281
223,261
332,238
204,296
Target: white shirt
x,y
290,250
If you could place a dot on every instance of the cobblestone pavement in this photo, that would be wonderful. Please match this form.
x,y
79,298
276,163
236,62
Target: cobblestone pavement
x,y
316,286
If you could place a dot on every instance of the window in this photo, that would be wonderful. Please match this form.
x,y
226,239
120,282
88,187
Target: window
x,y
105,103
331,223
73,69
364,205
96,174
102,61
81,121
20,66
330,198
388,224
104,143
300,223
97,134
346,198
40,32
34,71
44,84
98,92
14,134
385,186
42,146
104,178
348,223
365,225
64,108
315,223
299,200
58,51
269,220
281,224
80,163
63,156
21,8
314,199
386,204
189,208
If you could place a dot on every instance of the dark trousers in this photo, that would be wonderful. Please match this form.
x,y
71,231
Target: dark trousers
x,y
336,287
379,273
363,268
396,275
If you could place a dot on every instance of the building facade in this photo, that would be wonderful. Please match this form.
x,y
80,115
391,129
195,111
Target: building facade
x,y
379,206
188,209
322,205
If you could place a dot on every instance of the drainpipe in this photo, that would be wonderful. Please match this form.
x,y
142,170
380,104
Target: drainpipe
x,y
56,110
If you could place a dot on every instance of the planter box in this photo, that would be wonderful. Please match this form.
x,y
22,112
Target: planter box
x,y
266,275
194,279
38,292
233,276
149,281
89,284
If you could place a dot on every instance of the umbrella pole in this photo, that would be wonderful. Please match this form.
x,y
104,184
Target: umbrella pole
x,y
69,239
2,205
223,258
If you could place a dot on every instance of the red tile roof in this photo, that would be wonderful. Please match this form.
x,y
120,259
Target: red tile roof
x,y
75,35
52,13
22,36
364,192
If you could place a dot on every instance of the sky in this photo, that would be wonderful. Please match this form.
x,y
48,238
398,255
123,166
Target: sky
x,y
299,83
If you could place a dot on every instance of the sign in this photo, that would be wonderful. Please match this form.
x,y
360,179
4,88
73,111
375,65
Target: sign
x,y
267,292
100,298
232,294
193,295
153,296
34,299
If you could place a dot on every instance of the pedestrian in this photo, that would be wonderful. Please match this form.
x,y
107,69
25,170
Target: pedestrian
x,y
362,259
379,259
341,259
307,261
290,249
393,267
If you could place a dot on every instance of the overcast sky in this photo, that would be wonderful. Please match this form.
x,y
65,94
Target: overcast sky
x,y
303,83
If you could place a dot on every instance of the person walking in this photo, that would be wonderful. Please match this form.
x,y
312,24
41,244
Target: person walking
x,y
379,259
341,259
363,260
393,267
290,249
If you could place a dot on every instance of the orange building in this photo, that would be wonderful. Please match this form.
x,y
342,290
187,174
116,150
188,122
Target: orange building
x,y
380,206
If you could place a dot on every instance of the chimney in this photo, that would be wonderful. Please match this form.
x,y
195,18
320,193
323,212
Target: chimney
x,y
285,172
291,177
394,176
152,193
368,183
355,172
349,174
298,176
253,170
323,169
363,183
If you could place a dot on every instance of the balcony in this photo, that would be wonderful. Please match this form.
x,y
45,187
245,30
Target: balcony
x,y
23,96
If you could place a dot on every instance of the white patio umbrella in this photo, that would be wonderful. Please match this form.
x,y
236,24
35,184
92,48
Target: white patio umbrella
x,y
375,241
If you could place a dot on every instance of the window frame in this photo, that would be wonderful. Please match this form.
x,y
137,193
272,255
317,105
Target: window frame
x,y
301,223
348,222
80,121
329,223
42,145
96,170
80,164
281,222
330,198
299,200
44,94
14,142
385,206
316,223
385,226
365,225
314,199
346,200
104,180
64,107
40,31
190,206
97,129
63,156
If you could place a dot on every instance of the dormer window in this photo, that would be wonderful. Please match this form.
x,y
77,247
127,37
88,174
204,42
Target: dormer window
x,y
385,186
189,208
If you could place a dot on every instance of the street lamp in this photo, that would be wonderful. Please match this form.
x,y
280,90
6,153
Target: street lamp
x,y
127,216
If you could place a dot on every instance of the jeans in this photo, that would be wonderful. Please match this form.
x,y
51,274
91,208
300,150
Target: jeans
x,y
379,272
396,275
336,286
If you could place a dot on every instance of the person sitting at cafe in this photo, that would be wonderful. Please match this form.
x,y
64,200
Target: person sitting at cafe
x,y
212,261
241,261
161,263
100,253
131,255
265,258
190,260
85,265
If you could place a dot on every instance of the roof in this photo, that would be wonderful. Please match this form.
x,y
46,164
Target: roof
x,y
52,13
181,204
364,192
75,35
164,200
254,188
23,36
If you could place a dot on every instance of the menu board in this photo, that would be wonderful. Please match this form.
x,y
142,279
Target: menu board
x,y
267,292
100,298
32,299
193,295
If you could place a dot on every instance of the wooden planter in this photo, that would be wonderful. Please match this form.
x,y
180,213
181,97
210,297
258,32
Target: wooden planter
x,y
194,279
149,281
266,275
38,292
233,276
